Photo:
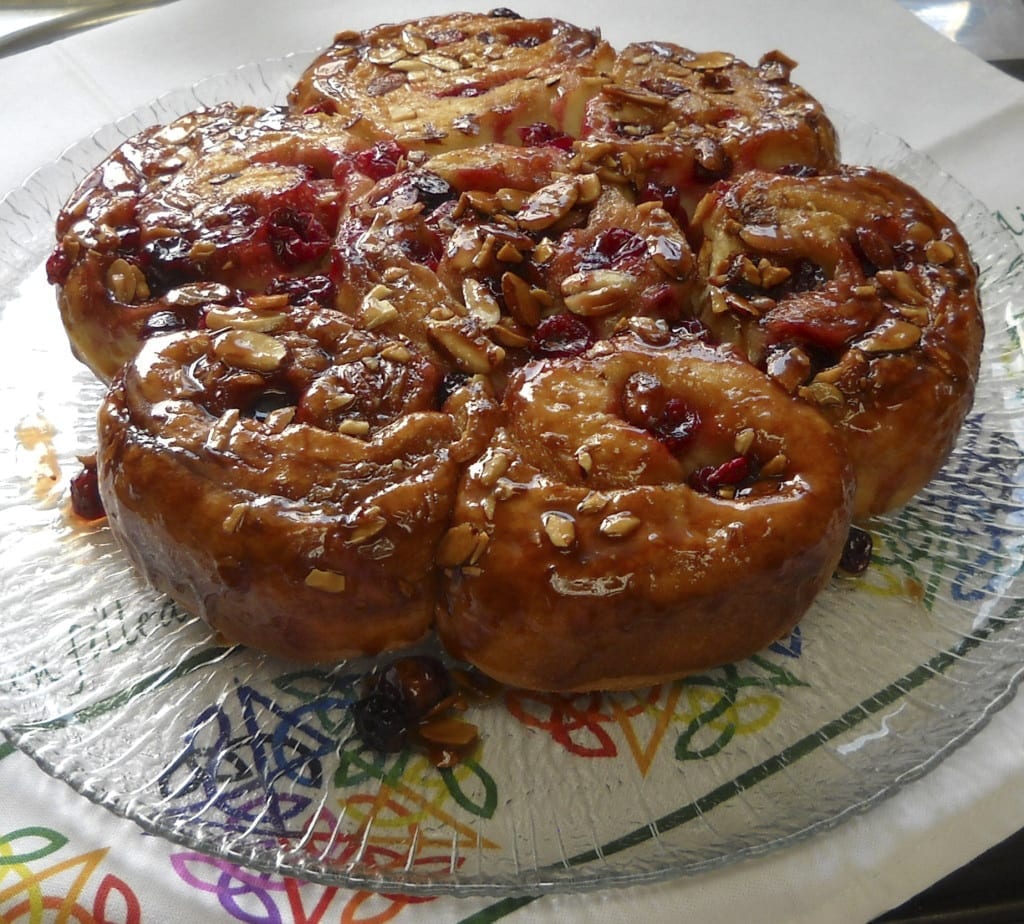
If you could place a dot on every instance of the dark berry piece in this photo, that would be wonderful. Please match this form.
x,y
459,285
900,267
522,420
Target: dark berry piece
x,y
296,237
503,12
380,161
613,247
431,189
163,322
543,135
166,263
710,478
646,404
797,170
58,267
380,722
668,196
325,107
304,290
418,683
562,335
857,551
85,494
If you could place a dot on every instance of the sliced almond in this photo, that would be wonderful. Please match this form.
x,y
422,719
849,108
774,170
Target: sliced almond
x,y
560,529
250,349
328,581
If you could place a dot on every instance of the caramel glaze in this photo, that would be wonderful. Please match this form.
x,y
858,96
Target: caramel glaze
x,y
183,216
457,80
860,296
458,343
673,121
601,567
307,530
467,255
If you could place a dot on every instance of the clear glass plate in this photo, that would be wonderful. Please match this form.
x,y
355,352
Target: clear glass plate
x,y
113,689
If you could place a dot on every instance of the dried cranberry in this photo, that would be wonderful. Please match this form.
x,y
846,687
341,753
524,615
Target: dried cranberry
x,y
380,722
417,683
542,135
431,189
296,237
304,290
58,267
85,494
613,247
380,161
668,196
166,263
562,335
646,404
857,552
503,12
805,277
710,478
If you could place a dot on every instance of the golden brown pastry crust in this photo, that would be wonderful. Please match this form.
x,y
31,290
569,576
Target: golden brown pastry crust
x,y
457,80
469,254
221,201
439,338
860,296
586,554
672,121
289,486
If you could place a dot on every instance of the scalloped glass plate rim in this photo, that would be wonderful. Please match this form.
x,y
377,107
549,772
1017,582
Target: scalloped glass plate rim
x,y
582,877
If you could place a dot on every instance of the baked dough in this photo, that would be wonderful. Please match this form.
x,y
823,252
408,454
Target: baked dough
x,y
672,121
587,360
645,511
858,295
288,480
458,80
219,204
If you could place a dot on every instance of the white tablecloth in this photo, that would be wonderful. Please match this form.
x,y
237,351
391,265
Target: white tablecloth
x,y
61,856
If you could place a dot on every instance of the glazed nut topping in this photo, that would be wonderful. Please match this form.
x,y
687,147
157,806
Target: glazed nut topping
x,y
900,284
893,337
824,394
776,465
520,300
370,524
250,349
619,525
710,61
354,427
593,502
492,468
939,252
592,293
560,529
476,356
126,282
328,581
480,303
396,353
744,441
461,545
242,317
548,204
233,521
376,310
